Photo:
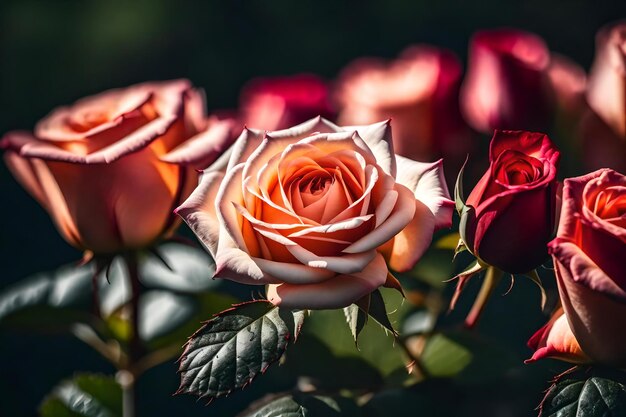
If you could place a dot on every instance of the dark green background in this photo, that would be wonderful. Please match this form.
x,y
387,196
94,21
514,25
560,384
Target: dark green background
x,y
53,52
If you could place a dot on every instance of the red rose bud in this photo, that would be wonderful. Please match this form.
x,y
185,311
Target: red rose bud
x,y
507,84
281,102
512,208
419,91
606,93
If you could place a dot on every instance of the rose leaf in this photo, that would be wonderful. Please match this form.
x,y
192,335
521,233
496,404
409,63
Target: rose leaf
x,y
584,396
86,395
232,348
303,405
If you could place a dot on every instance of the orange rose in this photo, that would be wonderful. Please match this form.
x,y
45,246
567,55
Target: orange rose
x,y
316,210
111,168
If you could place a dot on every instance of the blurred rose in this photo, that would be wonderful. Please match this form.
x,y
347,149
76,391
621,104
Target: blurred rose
x,y
281,102
589,253
315,211
513,214
569,82
419,91
607,81
111,168
602,147
507,84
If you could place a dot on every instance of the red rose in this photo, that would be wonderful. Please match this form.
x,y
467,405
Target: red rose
x,y
513,214
507,84
281,102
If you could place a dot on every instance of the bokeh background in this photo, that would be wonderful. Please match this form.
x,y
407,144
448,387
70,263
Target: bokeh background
x,y
54,52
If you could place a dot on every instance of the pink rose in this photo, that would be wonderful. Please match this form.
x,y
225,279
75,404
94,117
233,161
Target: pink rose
x,y
418,91
589,253
111,168
513,214
507,84
315,211
280,102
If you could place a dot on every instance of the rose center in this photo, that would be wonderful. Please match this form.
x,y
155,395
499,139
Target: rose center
x,y
520,171
317,185
610,204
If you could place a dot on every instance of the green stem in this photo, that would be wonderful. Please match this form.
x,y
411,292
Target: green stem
x,y
127,376
490,282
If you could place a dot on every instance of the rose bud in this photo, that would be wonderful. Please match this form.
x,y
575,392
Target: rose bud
x,y
317,211
513,205
111,168
588,253
419,91
606,92
507,85
281,102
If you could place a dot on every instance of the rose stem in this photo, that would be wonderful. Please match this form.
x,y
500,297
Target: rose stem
x,y
127,377
490,282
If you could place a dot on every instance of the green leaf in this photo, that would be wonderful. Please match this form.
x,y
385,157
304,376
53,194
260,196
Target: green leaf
x,y
444,357
585,396
448,242
378,312
356,318
306,405
86,395
187,270
48,298
235,346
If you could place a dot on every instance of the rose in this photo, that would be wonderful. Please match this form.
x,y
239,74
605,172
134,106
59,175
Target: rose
x,y
607,79
507,84
111,168
419,91
556,340
604,125
281,102
588,254
315,211
513,205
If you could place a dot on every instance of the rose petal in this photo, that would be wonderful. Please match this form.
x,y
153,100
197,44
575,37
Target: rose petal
x,y
409,245
202,149
428,183
556,340
337,292
379,140
401,216
198,211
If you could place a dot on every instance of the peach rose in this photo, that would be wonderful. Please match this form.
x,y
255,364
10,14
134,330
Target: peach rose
x,y
316,210
419,91
589,253
111,168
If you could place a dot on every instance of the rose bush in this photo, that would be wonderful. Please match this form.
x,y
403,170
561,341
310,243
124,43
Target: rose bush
x,y
315,211
589,253
507,84
513,205
280,102
111,168
419,91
